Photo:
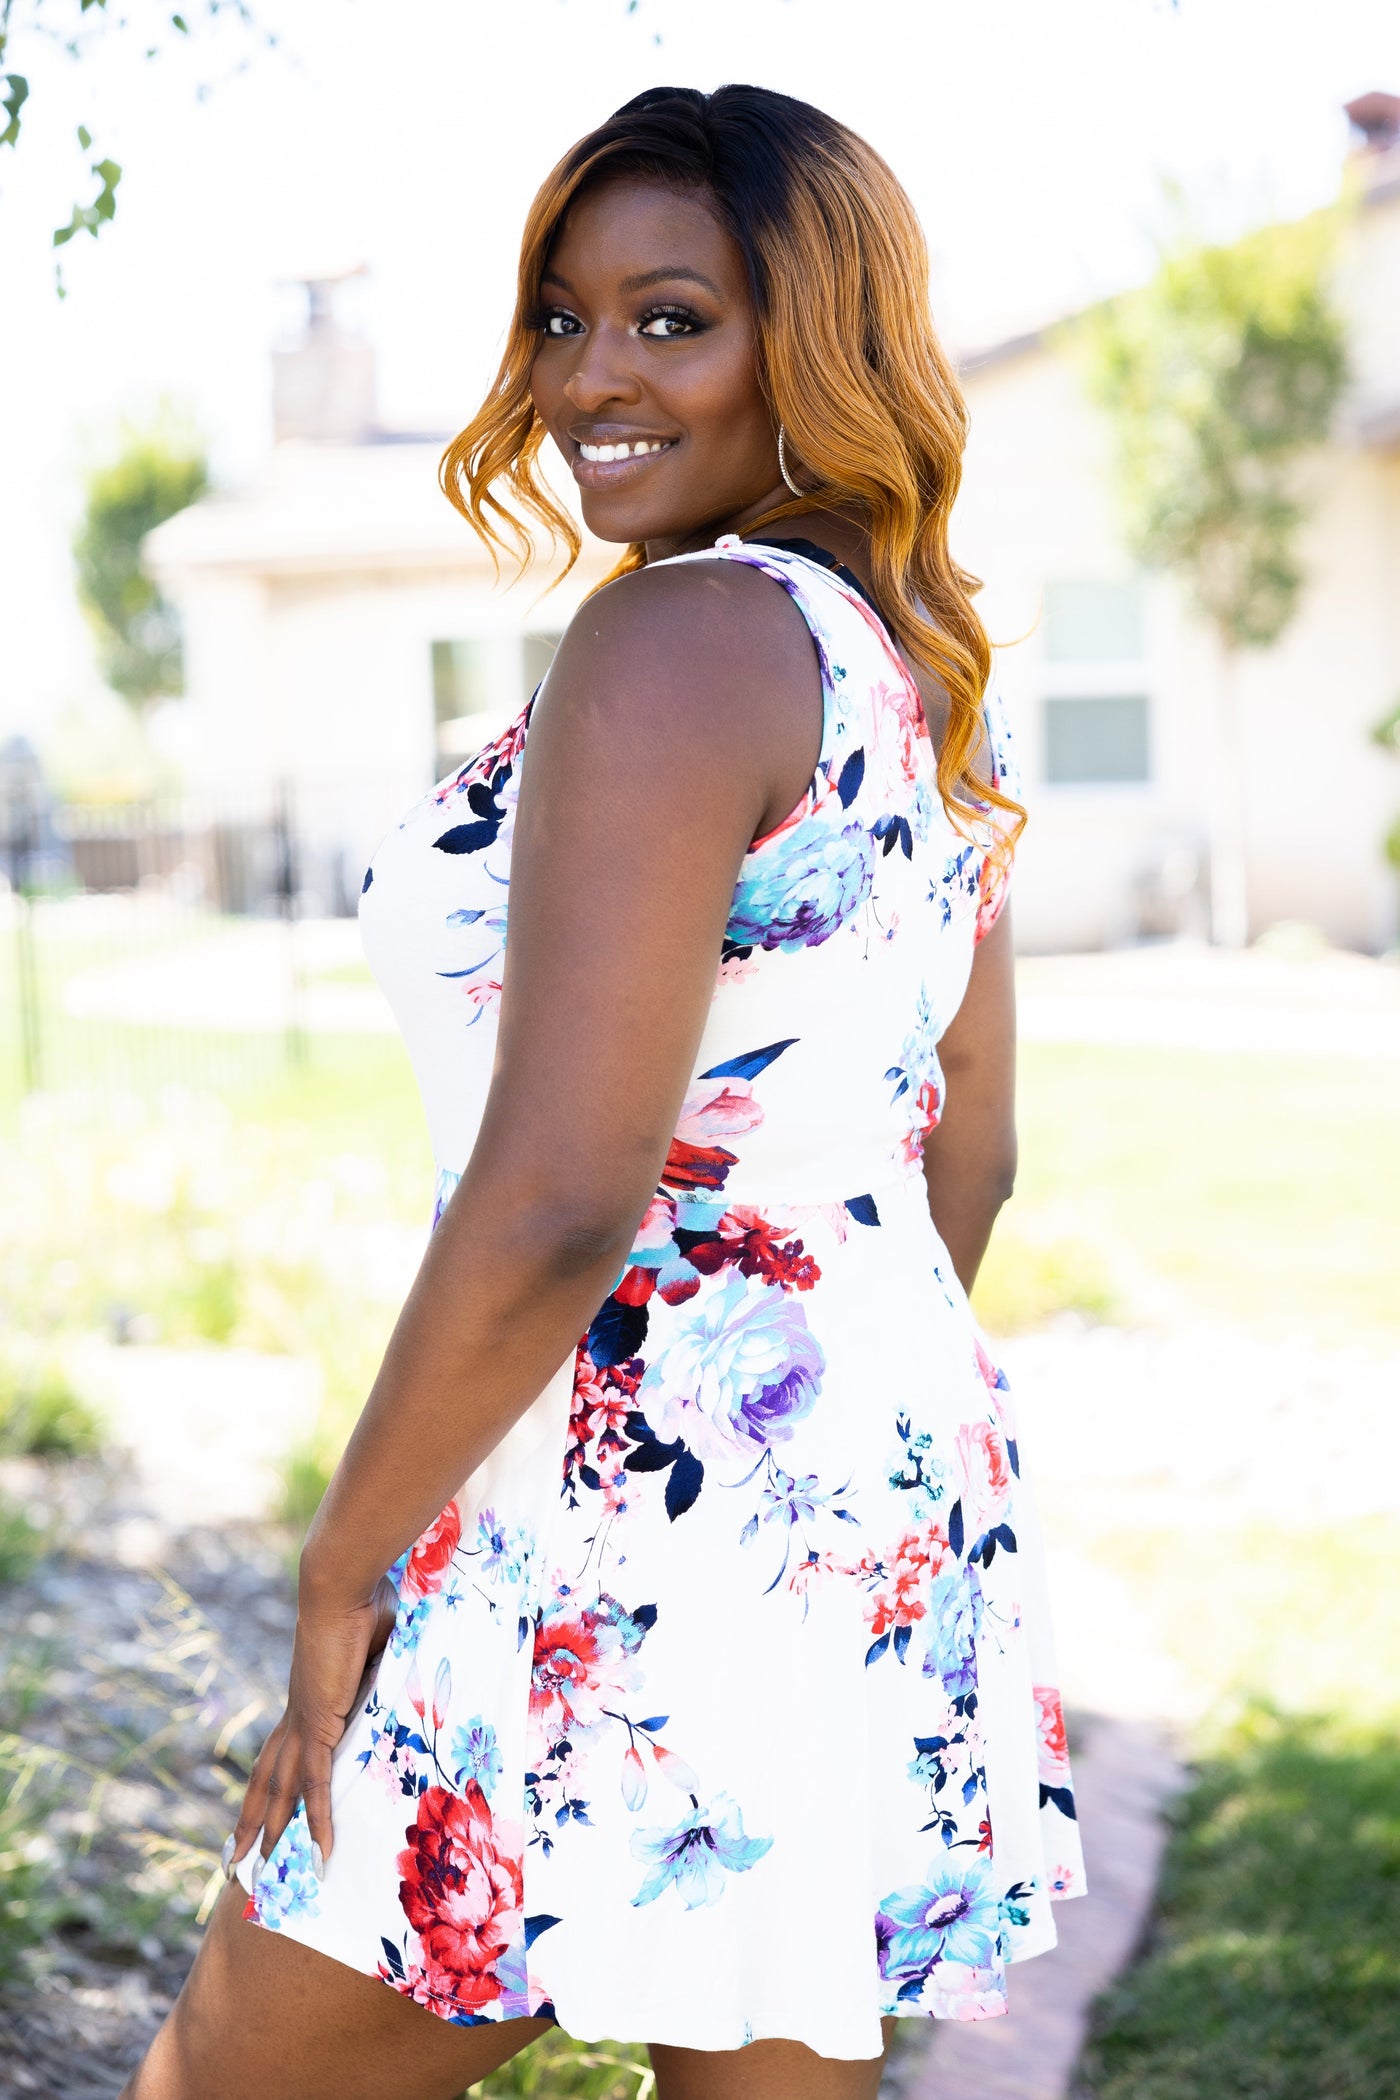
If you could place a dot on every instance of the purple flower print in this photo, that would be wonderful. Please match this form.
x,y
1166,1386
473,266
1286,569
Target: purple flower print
x,y
738,1376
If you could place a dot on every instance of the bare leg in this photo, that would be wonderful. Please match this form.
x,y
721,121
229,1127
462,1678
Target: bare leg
x,y
766,2071
264,2016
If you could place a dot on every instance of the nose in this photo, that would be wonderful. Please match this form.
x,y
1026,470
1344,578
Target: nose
x,y
602,373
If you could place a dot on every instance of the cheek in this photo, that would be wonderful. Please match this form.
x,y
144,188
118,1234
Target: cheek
x,y
722,393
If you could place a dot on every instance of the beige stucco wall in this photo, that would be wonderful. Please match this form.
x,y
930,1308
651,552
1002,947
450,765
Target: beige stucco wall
x,y
1038,504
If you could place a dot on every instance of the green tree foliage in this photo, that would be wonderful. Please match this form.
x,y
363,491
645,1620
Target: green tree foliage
x,y
158,469
1218,376
72,29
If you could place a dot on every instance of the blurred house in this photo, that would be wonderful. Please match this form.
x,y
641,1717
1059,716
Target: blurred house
x,y
344,635
1111,690
345,641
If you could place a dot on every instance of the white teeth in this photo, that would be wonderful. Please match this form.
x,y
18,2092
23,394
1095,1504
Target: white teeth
x,y
607,452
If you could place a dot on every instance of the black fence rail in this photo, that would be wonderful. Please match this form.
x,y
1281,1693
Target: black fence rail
x,y
159,942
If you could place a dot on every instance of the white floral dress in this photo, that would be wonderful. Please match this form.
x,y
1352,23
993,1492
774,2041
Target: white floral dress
x,y
720,1703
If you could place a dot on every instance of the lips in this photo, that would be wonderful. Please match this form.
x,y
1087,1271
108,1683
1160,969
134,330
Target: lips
x,y
618,456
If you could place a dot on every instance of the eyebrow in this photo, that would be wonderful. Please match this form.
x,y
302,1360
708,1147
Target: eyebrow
x,y
641,283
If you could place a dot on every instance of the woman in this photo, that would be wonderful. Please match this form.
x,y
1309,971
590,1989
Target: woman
x,y
714,1710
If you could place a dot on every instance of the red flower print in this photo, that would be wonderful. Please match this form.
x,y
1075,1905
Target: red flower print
x,y
991,895
905,1574
430,1558
985,1469
580,1666
713,1109
754,1246
462,1893
1054,1751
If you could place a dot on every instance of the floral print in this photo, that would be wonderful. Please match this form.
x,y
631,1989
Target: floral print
x,y
759,1553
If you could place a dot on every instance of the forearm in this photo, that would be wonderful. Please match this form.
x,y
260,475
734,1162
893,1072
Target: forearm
x,y
498,1304
966,1190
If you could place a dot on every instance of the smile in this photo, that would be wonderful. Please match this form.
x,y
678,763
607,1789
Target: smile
x,y
608,466
638,450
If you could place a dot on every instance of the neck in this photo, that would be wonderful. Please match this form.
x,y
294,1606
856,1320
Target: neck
x,y
708,531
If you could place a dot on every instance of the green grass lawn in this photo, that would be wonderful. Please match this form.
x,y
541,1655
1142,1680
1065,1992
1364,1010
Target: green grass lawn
x,y
1274,1968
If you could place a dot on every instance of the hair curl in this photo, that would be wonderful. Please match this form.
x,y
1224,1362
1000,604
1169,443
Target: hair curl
x,y
849,361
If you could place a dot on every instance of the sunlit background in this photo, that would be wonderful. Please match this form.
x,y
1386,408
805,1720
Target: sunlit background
x,y
241,630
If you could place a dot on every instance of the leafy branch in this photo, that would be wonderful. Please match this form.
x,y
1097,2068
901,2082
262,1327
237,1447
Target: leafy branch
x,y
52,23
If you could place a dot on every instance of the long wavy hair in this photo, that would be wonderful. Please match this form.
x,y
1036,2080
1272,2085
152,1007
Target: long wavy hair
x,y
849,361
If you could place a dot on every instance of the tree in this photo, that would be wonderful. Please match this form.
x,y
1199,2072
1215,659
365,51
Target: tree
x,y
72,28
1218,377
158,468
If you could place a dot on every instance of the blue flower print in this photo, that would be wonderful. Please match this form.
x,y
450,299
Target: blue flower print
x,y
953,1621
286,1886
408,1627
954,1917
695,1856
476,1755
797,896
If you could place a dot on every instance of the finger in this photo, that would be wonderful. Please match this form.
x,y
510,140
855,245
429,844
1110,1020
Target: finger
x,y
282,1787
316,1793
254,1805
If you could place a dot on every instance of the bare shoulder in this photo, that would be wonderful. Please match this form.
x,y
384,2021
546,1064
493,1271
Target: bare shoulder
x,y
716,632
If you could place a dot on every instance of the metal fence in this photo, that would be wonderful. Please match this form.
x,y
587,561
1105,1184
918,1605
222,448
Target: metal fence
x,y
173,941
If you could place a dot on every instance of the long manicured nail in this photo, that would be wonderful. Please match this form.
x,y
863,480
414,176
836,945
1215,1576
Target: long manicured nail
x,y
318,1863
226,1857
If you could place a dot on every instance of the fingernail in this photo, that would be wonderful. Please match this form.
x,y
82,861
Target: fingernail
x,y
226,1857
318,1863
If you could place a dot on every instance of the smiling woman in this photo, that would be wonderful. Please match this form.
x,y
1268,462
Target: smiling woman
x,y
712,1600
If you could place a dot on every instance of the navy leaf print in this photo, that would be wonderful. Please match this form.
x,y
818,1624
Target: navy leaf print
x,y
393,1957
644,1616
1062,1798
901,1641
862,1208
652,1723
876,1649
1013,1456
687,1475
618,1332
369,877
955,1528
468,838
541,1922
751,1063
852,774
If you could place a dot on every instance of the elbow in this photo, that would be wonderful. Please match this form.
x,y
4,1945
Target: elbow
x,y
571,1241
1001,1175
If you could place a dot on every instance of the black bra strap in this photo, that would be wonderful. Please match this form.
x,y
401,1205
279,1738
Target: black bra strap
x,y
812,552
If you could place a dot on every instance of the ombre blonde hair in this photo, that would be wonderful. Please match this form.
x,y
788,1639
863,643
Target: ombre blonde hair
x,y
874,418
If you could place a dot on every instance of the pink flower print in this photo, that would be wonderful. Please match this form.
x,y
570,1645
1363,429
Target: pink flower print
x,y
984,1469
432,1555
715,1108
1053,1747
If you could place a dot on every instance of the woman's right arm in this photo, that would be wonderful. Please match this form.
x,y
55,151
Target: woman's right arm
x,y
682,706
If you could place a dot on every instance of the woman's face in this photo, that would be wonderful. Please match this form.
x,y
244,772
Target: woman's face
x,y
647,342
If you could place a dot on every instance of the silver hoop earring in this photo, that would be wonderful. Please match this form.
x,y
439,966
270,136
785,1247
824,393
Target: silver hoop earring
x,y
782,466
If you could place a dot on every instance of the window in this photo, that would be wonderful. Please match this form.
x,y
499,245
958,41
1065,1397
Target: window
x,y
1098,738
1091,621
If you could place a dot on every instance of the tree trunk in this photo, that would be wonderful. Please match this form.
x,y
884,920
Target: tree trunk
x,y
1229,875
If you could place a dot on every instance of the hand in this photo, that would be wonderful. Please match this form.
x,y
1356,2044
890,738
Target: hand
x,y
335,1650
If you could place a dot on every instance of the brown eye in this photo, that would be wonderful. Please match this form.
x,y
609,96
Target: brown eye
x,y
664,323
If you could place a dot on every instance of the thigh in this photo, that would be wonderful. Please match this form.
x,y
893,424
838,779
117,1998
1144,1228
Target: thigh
x,y
766,2071
263,2015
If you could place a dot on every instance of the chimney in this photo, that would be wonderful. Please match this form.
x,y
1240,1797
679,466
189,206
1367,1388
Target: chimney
x,y
323,383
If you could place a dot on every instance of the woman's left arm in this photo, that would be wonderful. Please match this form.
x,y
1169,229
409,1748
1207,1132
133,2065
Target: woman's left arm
x,y
970,1155
677,707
